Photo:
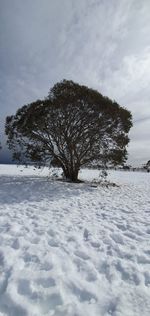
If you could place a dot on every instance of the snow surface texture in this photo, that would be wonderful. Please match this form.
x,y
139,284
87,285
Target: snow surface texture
x,y
74,249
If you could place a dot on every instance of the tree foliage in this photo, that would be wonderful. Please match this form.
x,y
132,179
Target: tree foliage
x,y
73,126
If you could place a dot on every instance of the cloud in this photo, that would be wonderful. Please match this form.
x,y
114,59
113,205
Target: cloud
x,y
143,119
102,44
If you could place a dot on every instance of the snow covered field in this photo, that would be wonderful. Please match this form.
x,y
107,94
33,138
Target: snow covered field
x,y
74,249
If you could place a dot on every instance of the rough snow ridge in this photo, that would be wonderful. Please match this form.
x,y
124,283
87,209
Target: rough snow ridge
x,y
72,249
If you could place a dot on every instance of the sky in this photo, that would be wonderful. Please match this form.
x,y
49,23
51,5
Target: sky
x,y
103,44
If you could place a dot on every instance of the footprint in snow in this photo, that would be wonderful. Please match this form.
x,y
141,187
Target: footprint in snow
x,y
147,252
16,310
46,282
91,277
86,234
95,244
24,288
82,255
117,238
29,258
147,278
33,289
1,258
46,266
15,244
112,306
130,235
127,276
90,274
143,259
53,243
51,233
71,239
50,302
122,227
35,240
82,294
4,277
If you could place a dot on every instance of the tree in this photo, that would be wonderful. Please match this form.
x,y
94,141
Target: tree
x,y
73,126
148,163
147,166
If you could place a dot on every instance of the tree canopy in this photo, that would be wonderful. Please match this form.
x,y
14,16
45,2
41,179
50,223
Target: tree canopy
x,y
74,125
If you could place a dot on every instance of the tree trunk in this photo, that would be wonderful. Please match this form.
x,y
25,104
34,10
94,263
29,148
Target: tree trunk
x,y
71,175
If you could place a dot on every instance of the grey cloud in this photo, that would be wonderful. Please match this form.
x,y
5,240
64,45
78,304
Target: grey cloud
x,y
143,119
102,44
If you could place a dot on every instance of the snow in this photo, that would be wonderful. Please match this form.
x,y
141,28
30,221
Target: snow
x,y
74,249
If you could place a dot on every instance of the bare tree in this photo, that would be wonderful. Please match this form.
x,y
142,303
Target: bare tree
x,y
73,126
